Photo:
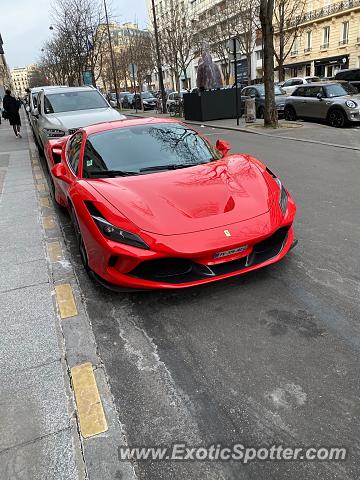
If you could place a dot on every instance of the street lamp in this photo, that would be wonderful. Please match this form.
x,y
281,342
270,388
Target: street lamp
x,y
158,59
112,57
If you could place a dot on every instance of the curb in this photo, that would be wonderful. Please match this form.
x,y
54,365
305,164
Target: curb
x,y
254,132
98,451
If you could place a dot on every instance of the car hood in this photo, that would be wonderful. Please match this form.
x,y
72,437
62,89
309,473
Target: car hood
x,y
83,118
196,198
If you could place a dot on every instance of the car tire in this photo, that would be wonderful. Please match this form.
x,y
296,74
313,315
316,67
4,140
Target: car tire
x,y
260,112
337,118
79,240
290,114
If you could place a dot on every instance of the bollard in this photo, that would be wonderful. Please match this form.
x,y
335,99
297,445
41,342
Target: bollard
x,y
250,110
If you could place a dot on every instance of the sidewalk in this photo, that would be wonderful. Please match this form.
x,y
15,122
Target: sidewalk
x,y
57,419
299,131
39,438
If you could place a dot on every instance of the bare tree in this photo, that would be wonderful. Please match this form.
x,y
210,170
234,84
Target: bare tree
x,y
287,18
176,35
77,42
216,28
266,18
245,26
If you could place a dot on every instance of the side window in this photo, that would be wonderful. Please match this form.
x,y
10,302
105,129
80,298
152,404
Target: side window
x,y
313,91
297,82
47,106
73,152
246,92
300,92
39,104
288,83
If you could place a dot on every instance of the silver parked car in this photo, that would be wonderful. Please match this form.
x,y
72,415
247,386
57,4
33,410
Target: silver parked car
x,y
338,103
62,111
32,103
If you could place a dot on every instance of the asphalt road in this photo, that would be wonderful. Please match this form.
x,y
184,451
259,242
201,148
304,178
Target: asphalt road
x,y
271,357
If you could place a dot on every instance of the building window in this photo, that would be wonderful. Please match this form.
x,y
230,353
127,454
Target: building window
x,y
310,6
326,37
259,55
344,39
308,41
295,47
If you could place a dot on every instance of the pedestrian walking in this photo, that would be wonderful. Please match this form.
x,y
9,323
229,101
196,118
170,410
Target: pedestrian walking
x,y
11,108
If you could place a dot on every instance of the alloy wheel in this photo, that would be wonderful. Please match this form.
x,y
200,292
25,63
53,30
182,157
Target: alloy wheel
x,y
337,118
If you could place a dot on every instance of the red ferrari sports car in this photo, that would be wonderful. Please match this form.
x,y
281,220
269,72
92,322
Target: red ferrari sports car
x,y
155,205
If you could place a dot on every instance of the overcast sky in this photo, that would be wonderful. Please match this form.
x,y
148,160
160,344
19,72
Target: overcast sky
x,y
24,25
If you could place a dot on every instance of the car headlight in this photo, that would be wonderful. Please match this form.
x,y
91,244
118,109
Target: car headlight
x,y
53,132
118,235
283,196
350,104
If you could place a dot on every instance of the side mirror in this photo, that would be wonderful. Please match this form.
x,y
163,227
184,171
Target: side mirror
x,y
28,109
319,96
223,147
59,172
36,113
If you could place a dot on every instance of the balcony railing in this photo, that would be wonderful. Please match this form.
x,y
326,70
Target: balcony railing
x,y
307,50
345,41
323,12
324,46
294,52
358,40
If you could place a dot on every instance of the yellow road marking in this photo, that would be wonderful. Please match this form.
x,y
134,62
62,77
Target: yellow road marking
x,y
90,410
40,187
54,251
44,202
65,301
48,222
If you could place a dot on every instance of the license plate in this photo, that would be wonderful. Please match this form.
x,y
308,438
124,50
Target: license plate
x,y
233,251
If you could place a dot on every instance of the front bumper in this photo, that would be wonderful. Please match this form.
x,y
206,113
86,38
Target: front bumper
x,y
353,115
180,261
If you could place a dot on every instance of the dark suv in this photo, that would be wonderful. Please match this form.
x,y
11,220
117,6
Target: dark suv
x,y
351,75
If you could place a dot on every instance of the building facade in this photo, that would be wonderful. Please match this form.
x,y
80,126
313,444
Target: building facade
x,y
327,39
20,78
208,17
5,78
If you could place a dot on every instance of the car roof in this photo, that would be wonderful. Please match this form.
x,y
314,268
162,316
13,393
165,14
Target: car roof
x,y
61,89
105,126
323,83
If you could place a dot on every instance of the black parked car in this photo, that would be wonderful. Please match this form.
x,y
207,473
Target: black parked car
x,y
148,100
127,101
351,75
258,92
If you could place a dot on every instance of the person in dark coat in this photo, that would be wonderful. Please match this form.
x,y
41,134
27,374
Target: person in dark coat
x,y
12,107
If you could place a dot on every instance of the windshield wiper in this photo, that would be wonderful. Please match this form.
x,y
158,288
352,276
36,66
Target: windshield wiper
x,y
170,167
112,173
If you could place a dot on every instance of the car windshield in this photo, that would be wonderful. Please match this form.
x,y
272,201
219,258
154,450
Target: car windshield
x,y
339,90
146,95
313,79
71,101
145,147
277,90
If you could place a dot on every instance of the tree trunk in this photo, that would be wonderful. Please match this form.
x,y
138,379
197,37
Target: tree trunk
x,y
266,18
